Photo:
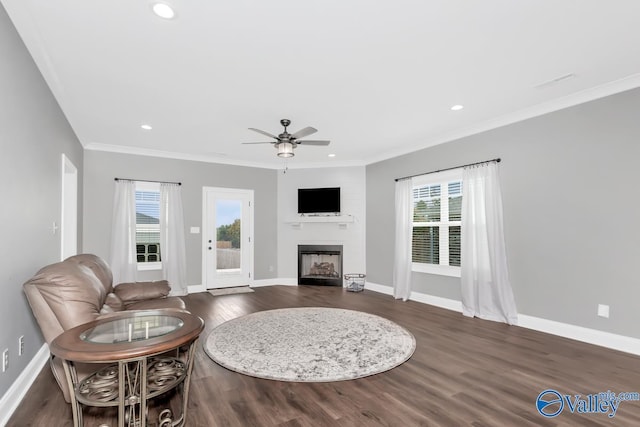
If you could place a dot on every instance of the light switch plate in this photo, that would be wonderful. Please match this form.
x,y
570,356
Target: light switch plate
x,y
603,310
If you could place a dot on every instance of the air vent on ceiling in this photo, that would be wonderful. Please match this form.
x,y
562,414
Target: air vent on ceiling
x,y
555,81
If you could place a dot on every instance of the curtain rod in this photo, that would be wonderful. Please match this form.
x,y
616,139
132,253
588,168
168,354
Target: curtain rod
x,y
147,180
497,160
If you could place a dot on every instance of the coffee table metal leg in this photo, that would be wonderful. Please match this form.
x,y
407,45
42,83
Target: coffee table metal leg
x,y
187,380
121,392
72,380
142,371
132,402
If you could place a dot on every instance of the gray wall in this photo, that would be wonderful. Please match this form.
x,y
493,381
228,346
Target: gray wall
x,y
33,135
569,185
102,167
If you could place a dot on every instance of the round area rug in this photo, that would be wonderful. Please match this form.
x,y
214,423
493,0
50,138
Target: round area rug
x,y
310,344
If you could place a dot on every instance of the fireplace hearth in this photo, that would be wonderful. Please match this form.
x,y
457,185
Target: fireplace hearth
x,y
320,265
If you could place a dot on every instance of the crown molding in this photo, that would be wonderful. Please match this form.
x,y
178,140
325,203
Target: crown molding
x,y
112,148
577,98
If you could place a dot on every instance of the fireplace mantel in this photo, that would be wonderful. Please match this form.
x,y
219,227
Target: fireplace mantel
x,y
341,220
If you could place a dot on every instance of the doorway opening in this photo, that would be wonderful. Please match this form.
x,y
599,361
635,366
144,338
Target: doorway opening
x,y
69,210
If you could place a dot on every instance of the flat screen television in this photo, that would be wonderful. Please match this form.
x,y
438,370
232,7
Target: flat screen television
x,y
319,200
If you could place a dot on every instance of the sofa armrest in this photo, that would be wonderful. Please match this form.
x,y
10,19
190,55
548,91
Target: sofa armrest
x,y
141,291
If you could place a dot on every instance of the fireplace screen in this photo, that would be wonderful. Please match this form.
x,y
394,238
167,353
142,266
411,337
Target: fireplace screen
x,y
320,265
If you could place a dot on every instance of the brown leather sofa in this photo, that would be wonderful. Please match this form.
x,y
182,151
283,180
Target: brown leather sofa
x,y
79,290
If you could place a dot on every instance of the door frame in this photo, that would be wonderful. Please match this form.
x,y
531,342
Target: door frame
x,y
68,209
206,232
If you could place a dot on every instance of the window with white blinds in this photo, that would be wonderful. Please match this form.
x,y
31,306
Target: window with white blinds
x,y
148,226
437,215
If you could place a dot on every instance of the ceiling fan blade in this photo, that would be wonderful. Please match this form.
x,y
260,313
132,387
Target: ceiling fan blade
x,y
313,142
304,132
264,133
264,142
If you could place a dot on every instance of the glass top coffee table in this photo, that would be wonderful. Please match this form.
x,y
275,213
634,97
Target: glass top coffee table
x,y
132,329
153,354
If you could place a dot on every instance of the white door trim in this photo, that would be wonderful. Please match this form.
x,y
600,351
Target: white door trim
x,y
206,233
68,209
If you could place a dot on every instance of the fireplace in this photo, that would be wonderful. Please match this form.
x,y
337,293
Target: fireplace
x,y
320,265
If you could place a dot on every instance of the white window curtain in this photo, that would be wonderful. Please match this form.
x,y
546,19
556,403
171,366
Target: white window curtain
x,y
486,290
172,243
402,258
123,233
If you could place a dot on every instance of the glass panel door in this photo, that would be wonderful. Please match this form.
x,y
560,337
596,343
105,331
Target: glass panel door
x,y
227,260
228,235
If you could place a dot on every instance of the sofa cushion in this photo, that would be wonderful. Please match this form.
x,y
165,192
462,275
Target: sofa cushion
x,y
99,267
140,291
112,304
158,304
72,291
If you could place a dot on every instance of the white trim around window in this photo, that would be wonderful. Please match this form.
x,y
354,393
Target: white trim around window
x,y
149,266
442,270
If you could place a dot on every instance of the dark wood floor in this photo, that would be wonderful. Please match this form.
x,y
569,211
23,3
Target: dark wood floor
x,y
465,372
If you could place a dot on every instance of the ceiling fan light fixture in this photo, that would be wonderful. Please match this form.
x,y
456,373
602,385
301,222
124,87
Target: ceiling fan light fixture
x,y
163,10
285,149
285,143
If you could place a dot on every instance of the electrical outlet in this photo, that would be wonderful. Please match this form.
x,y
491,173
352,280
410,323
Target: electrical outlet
x,y
5,360
21,345
603,310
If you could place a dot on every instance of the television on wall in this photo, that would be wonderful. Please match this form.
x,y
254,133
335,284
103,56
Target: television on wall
x,y
319,200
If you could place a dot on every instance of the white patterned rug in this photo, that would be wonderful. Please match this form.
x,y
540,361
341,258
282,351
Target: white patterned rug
x,y
311,344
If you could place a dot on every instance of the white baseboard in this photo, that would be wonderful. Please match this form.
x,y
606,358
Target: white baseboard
x,y
272,282
194,289
20,386
578,333
387,290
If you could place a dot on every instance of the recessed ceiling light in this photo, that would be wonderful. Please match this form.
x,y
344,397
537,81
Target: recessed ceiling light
x,y
146,127
457,107
332,155
163,10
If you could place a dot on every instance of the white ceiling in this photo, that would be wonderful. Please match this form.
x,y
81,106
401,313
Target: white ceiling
x,y
377,78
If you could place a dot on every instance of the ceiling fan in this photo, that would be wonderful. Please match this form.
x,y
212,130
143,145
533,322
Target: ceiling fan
x,y
286,142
